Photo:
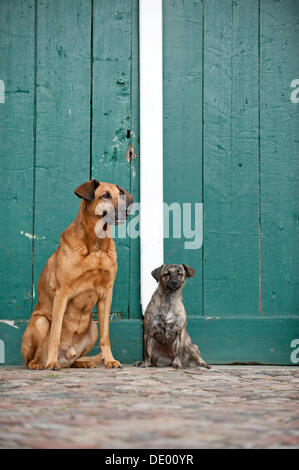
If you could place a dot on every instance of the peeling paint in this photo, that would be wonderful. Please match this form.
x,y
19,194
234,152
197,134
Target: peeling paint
x,y
61,52
29,235
212,318
10,323
130,155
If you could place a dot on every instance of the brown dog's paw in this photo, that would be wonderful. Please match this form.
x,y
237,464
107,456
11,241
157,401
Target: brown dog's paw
x,y
53,366
70,353
35,366
112,364
84,365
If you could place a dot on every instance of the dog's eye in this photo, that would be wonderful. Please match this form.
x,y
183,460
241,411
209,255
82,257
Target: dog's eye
x,y
180,274
106,195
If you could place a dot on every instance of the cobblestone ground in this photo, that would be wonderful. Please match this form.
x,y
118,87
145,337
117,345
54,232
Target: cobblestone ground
x,y
225,407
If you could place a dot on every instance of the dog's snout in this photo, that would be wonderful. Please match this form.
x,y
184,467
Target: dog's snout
x,y
174,284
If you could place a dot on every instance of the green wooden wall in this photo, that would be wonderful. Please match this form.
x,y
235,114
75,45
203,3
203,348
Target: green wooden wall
x,y
70,70
231,142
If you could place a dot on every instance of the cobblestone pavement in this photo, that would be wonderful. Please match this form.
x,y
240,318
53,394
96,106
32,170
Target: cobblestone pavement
x,y
225,407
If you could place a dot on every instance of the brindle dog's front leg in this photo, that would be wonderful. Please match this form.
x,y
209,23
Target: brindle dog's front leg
x,y
148,349
103,308
177,361
194,353
59,306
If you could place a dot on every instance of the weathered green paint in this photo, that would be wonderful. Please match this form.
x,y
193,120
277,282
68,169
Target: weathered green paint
x,y
16,153
134,284
279,157
222,340
62,120
231,168
182,95
112,116
70,70
239,123
125,336
225,340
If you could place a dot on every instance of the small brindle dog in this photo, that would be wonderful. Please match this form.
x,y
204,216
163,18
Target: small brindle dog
x,y
166,341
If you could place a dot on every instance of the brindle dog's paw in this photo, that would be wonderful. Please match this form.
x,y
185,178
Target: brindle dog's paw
x,y
53,366
205,365
176,364
144,364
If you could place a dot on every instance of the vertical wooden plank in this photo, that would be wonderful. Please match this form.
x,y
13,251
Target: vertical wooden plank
x,y
16,152
112,58
279,157
231,191
182,95
134,284
63,115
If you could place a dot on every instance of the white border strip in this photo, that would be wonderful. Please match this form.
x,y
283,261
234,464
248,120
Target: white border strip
x,y
151,144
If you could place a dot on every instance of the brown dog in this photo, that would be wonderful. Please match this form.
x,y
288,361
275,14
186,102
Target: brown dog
x,y
78,275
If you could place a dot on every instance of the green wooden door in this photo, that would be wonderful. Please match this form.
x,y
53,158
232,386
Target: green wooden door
x,y
70,72
69,110
231,142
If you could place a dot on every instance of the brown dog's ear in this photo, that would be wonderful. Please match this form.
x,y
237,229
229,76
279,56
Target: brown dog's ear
x,y
128,196
189,271
157,272
86,190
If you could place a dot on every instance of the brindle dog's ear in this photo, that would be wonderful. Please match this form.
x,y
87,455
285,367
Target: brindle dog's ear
x,y
189,271
86,190
157,272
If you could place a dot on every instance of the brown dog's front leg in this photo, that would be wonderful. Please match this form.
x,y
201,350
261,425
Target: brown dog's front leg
x,y
59,306
103,308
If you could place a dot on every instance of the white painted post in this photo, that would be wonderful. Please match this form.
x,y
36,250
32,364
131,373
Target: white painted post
x,y
2,92
151,144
